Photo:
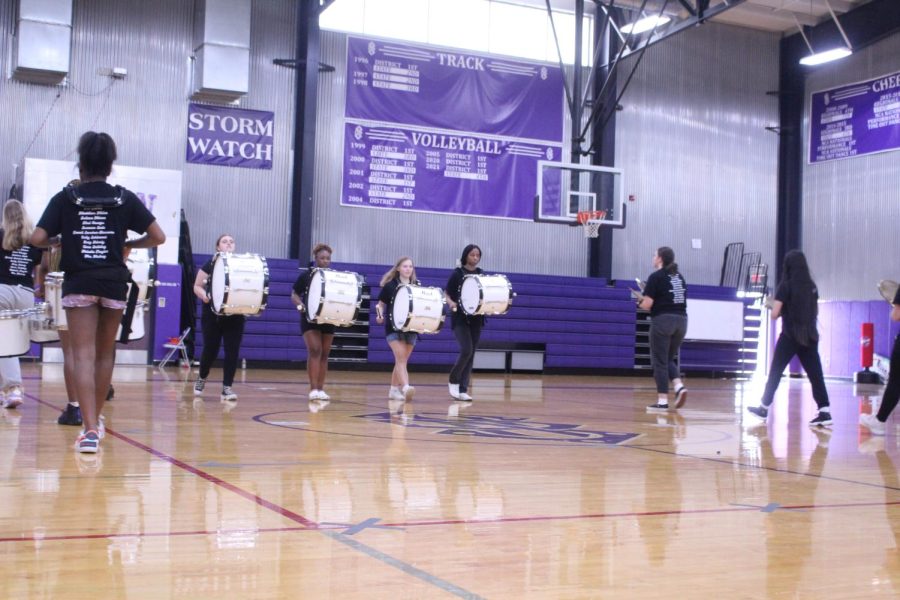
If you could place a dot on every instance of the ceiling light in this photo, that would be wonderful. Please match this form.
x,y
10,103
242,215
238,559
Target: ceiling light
x,y
827,56
818,58
645,24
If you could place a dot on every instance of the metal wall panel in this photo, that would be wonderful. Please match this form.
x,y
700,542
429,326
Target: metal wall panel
x,y
146,113
851,207
692,142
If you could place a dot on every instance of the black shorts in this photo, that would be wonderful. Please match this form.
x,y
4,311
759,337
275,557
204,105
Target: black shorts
x,y
88,285
307,326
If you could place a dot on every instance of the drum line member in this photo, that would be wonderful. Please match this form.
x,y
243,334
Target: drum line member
x,y
316,336
218,330
18,264
875,423
92,220
402,343
71,414
466,328
797,303
665,296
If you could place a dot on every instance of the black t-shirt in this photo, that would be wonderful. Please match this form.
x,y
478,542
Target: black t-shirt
x,y
93,238
454,285
897,297
669,293
784,295
387,297
302,284
17,267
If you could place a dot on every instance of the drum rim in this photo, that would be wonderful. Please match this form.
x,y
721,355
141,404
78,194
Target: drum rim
x,y
404,329
477,278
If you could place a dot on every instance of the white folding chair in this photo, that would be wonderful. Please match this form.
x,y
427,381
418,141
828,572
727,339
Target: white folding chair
x,y
176,347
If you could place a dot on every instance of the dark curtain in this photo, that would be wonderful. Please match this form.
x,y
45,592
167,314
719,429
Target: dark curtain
x,y
188,274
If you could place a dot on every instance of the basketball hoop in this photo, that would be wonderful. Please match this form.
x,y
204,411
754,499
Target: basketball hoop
x,y
590,221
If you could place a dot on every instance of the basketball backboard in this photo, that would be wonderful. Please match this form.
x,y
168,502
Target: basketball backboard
x,y
564,190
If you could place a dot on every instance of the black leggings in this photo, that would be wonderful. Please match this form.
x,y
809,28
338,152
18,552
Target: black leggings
x,y
215,330
892,391
467,335
785,349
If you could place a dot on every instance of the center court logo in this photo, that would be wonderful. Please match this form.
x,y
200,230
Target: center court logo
x,y
478,428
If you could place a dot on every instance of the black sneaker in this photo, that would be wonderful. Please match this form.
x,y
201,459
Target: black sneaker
x,y
198,387
760,411
71,415
680,396
658,408
823,419
110,394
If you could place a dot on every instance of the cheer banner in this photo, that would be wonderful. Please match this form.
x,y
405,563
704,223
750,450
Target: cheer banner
x,y
856,119
440,171
231,137
447,89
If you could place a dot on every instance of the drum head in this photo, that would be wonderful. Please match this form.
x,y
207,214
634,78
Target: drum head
x,y
470,295
314,294
217,282
400,312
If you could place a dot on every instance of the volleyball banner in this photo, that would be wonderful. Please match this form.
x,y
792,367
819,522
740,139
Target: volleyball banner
x,y
440,171
856,119
434,87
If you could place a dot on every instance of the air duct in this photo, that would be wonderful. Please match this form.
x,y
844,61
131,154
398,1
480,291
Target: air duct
x,y
221,69
43,41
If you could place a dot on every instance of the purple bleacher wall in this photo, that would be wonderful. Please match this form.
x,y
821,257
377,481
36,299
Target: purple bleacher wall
x,y
583,323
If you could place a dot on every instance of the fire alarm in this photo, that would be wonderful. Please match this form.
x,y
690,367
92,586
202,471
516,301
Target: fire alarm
x,y
631,198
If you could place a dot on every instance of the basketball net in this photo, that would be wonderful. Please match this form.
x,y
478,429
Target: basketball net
x,y
590,221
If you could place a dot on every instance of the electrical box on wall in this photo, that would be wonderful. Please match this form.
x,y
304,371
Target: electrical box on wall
x,y
221,65
41,47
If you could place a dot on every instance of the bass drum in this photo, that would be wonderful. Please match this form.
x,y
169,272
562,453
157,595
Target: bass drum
x,y
15,332
40,324
418,309
239,284
333,297
485,295
53,284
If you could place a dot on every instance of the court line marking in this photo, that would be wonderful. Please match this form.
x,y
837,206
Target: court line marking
x,y
332,528
289,514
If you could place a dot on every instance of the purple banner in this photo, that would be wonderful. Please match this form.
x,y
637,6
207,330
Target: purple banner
x,y
231,137
861,118
430,87
428,170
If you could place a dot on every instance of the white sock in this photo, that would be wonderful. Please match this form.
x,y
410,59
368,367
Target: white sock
x,y
394,388
826,409
663,399
677,382
405,387
75,404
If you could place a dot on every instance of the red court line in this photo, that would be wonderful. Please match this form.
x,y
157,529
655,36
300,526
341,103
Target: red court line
x,y
289,514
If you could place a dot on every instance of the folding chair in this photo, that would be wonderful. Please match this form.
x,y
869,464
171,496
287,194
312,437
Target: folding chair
x,y
176,347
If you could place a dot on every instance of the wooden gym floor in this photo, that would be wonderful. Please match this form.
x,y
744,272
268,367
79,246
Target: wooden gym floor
x,y
545,487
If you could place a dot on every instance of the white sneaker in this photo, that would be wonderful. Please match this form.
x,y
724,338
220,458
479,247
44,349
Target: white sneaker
x,y
314,394
324,396
228,394
14,398
396,394
872,423
465,397
408,392
454,390
101,427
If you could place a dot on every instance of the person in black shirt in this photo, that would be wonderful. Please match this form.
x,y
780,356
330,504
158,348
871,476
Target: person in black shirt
x,y
18,262
875,423
665,296
797,303
316,336
466,329
92,220
217,328
401,343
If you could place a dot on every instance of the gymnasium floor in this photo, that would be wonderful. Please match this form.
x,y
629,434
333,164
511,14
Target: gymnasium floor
x,y
545,487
